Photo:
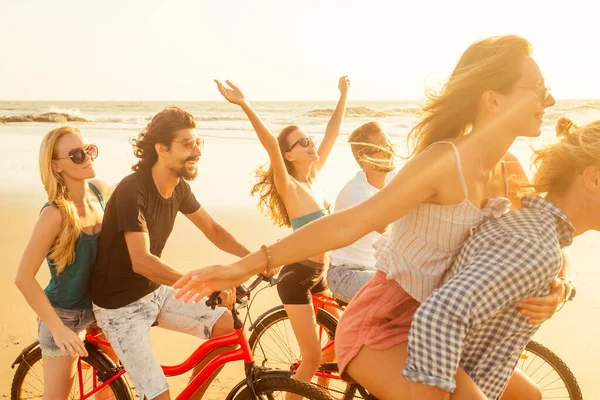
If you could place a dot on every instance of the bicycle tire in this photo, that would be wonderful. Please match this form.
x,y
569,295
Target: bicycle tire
x,y
95,359
269,386
559,366
324,320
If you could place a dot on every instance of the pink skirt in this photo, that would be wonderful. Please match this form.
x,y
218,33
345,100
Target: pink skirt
x,y
379,317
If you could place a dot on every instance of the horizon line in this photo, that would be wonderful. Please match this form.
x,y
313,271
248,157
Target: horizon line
x,y
255,100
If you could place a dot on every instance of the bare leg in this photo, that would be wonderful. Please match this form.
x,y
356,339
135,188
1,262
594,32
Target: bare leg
x,y
390,363
59,373
521,387
304,325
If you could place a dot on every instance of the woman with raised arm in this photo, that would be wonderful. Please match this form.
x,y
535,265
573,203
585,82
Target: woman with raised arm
x,y
454,179
290,195
66,234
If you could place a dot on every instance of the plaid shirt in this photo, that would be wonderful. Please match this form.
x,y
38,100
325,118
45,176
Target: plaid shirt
x,y
472,320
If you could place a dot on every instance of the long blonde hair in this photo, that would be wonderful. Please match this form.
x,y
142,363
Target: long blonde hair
x,y
490,64
557,164
62,252
271,202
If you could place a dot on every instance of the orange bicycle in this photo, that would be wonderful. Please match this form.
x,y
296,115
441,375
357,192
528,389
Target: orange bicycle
x,y
97,375
273,343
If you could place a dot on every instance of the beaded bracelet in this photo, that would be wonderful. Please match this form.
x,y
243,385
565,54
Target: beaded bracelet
x,y
267,251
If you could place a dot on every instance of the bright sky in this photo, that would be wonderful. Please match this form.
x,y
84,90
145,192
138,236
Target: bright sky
x,y
279,49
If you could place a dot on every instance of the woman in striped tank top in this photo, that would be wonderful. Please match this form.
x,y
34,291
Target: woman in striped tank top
x,y
495,94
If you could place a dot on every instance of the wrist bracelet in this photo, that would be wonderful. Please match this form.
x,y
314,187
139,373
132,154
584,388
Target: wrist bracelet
x,y
267,251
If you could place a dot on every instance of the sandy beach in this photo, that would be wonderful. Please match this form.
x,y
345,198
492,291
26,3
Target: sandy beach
x,y
222,187
494,69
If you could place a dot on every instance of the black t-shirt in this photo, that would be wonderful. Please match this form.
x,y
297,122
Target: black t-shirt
x,y
135,206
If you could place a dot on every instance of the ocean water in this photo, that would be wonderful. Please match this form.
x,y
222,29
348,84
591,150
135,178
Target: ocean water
x,y
220,119
232,150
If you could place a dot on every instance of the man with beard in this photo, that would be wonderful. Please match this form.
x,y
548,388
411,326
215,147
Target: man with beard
x,y
353,265
131,285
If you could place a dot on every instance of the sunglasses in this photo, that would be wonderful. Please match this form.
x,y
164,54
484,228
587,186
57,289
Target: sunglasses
x,y
189,144
303,141
541,91
80,155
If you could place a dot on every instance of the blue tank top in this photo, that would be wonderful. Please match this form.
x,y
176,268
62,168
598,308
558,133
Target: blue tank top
x,y
70,288
299,222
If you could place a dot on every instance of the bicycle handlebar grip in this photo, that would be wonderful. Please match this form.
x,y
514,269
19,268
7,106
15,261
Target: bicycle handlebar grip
x,y
213,300
241,291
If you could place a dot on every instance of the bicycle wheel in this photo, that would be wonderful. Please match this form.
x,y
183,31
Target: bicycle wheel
x,y
549,372
278,388
28,382
274,345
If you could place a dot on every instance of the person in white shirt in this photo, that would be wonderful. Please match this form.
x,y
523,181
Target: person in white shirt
x,y
353,265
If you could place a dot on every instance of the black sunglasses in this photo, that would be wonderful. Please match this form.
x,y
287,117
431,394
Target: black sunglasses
x,y
303,141
79,155
190,143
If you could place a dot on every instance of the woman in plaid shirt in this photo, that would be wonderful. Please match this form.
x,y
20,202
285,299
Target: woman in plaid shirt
x,y
473,319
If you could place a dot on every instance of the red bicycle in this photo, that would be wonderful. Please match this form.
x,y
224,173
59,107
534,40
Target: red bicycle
x,y
273,344
97,375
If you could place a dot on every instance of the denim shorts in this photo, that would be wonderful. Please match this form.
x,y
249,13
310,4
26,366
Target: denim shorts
x,y
345,281
128,331
76,320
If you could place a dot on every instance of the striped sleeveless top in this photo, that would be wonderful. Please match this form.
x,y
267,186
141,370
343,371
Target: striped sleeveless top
x,y
421,246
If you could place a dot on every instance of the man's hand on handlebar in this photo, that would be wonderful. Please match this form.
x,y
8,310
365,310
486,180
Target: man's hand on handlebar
x,y
228,298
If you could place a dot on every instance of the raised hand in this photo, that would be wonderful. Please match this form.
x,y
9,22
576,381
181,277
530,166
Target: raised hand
x,y
344,84
233,95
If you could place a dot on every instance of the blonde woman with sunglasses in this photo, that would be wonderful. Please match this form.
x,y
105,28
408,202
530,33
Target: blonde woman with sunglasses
x,y
66,235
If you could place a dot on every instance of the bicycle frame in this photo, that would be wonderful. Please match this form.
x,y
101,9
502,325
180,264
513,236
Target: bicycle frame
x,y
242,353
235,346
321,301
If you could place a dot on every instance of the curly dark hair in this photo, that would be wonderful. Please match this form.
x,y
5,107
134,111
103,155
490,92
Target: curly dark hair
x,y
162,130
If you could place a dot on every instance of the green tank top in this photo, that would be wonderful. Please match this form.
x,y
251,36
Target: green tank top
x,y
299,222
70,288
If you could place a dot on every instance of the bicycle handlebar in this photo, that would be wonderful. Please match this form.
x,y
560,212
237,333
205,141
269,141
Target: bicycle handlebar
x,y
241,291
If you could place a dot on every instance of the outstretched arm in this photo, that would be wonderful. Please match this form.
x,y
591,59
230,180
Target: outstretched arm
x,y
333,127
420,177
266,137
